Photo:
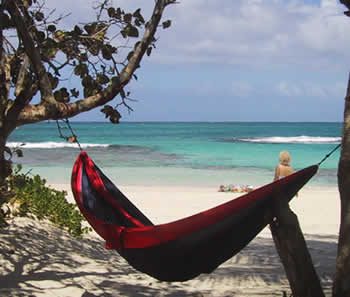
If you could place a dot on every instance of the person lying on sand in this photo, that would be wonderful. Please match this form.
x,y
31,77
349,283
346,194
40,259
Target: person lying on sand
x,y
236,188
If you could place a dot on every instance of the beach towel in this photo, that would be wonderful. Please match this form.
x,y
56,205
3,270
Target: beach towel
x,y
183,249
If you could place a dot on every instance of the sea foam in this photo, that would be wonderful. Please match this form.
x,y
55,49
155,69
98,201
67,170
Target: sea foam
x,y
294,139
52,145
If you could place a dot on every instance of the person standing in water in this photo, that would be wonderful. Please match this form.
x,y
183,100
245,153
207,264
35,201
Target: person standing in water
x,y
284,168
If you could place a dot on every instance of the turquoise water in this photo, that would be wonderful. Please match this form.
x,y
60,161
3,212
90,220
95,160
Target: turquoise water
x,y
181,153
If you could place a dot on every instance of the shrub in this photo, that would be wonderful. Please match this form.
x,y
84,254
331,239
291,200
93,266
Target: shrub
x,y
33,197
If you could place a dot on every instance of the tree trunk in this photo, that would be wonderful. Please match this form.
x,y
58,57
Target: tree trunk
x,y
341,285
4,172
294,254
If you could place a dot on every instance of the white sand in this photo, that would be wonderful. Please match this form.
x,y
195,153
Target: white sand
x,y
38,259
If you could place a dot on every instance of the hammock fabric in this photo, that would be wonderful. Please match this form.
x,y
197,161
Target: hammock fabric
x,y
180,250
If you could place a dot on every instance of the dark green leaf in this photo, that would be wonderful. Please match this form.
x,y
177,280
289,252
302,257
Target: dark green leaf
x,y
131,31
94,49
89,29
137,14
81,70
39,16
118,14
19,153
40,35
74,93
111,12
130,55
87,81
102,79
107,110
115,80
107,52
122,93
149,51
51,28
77,30
62,95
83,57
124,34
166,24
128,18
115,117
111,113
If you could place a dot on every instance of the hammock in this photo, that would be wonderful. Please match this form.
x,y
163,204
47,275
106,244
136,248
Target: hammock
x,y
180,250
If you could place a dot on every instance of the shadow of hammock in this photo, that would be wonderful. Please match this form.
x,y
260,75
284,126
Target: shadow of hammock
x,y
37,258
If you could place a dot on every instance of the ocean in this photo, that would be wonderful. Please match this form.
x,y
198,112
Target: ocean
x,y
180,153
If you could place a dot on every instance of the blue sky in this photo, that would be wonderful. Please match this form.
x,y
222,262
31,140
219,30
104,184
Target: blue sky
x,y
240,60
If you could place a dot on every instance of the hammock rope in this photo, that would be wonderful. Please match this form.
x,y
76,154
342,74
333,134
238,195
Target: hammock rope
x,y
73,138
329,154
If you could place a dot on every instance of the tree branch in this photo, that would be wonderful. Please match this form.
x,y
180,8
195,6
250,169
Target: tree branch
x,y
33,54
35,113
21,76
140,50
4,82
347,4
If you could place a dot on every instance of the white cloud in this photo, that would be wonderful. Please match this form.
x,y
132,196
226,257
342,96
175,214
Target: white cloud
x,y
257,33
252,33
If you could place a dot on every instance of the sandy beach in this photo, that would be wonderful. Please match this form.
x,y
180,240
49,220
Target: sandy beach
x,y
38,259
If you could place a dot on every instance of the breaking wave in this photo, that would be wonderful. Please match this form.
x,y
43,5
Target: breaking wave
x,y
294,139
53,145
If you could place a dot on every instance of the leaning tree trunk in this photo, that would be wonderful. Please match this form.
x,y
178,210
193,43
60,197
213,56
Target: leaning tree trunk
x,y
291,247
341,286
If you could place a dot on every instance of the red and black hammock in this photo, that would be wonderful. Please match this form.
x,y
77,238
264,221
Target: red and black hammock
x,y
180,250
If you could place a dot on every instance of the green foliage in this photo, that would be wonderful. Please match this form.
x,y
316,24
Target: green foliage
x,y
111,113
33,197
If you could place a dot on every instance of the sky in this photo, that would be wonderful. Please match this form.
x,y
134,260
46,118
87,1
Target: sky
x,y
238,60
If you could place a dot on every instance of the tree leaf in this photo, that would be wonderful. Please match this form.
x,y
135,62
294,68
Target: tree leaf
x,y
39,16
51,28
131,31
130,55
74,93
111,12
77,30
19,153
111,113
102,79
137,14
128,18
166,24
122,93
62,95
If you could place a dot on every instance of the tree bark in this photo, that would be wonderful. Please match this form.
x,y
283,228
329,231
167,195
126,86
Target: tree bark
x,y
291,247
341,285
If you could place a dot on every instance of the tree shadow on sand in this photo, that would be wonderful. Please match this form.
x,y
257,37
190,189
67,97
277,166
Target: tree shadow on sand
x,y
37,258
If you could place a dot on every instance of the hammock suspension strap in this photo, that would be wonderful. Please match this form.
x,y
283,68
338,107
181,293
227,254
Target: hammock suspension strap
x,y
329,154
73,138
